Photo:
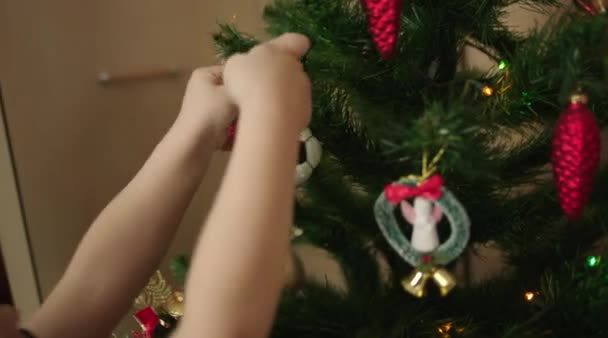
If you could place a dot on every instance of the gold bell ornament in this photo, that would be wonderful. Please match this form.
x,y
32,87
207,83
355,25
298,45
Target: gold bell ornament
x,y
415,283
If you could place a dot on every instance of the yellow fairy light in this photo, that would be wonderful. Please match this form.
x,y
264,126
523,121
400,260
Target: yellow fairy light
x,y
487,91
529,296
445,329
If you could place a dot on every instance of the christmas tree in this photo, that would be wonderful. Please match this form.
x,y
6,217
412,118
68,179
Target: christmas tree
x,y
400,121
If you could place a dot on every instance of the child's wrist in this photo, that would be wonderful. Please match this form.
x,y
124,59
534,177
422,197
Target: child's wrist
x,y
201,128
264,121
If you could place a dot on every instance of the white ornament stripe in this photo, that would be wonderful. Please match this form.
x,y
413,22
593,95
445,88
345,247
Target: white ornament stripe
x,y
314,151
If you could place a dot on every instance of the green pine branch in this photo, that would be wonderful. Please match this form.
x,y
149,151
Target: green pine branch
x,y
376,117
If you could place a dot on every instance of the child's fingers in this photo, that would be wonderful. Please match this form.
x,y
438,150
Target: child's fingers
x,y
292,43
212,74
216,73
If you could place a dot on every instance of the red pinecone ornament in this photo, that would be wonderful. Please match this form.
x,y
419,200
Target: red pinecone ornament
x,y
575,155
383,17
593,7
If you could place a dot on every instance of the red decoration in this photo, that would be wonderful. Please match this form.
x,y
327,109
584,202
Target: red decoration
x,y
231,135
431,189
575,155
593,7
383,17
148,320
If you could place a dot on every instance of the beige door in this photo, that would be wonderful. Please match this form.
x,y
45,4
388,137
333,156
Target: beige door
x,y
76,142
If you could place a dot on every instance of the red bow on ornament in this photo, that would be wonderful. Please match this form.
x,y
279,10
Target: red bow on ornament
x,y
148,320
430,189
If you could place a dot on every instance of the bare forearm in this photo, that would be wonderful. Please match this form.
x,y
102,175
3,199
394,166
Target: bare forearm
x,y
143,218
129,238
248,230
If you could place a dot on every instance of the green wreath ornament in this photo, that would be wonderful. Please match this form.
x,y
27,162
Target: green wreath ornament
x,y
426,263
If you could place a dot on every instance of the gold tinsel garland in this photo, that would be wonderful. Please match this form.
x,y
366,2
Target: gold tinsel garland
x,y
159,295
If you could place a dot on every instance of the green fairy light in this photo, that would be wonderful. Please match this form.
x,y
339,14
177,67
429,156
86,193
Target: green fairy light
x,y
593,261
502,65
526,99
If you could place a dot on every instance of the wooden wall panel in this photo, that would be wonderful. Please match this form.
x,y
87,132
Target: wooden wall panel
x,y
76,143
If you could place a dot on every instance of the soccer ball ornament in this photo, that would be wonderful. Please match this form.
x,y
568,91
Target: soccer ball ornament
x,y
310,156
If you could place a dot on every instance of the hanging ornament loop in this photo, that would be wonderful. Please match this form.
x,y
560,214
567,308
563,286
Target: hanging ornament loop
x,y
428,169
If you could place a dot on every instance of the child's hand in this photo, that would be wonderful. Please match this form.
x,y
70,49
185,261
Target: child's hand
x,y
271,79
8,322
207,104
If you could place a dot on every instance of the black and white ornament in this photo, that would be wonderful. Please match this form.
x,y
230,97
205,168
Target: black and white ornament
x,y
310,156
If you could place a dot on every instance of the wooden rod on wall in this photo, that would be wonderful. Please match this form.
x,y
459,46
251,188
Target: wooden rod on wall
x,y
107,78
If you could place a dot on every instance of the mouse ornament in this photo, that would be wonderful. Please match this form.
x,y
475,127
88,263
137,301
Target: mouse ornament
x,y
431,202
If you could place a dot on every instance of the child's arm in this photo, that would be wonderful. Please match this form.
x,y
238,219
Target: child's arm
x,y
236,273
129,238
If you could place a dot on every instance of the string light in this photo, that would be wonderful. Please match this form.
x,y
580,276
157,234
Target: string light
x,y
487,91
526,99
502,65
529,296
593,261
444,330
